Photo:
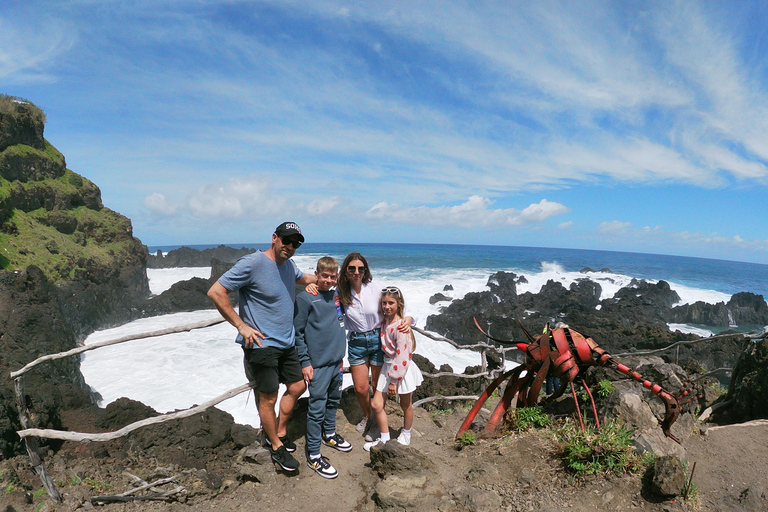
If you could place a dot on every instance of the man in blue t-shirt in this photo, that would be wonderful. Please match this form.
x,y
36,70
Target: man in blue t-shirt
x,y
265,282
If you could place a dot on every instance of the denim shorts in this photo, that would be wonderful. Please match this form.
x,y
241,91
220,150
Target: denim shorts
x,y
365,347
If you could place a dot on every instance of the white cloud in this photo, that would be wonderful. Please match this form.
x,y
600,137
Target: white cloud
x,y
323,206
565,225
474,212
158,203
248,198
614,227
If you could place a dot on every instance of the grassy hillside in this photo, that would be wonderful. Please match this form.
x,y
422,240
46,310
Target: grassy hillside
x,y
50,216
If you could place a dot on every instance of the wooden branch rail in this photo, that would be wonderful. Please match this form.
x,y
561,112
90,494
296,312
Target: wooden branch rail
x,y
109,436
752,335
476,346
131,337
29,434
438,398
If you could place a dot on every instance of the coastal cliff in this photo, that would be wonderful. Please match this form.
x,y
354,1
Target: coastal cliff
x,y
69,265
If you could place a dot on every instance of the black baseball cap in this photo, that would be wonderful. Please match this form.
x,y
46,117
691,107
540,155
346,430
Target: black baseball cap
x,y
289,229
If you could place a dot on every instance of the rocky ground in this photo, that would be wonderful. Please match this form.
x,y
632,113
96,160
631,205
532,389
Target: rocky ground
x,y
516,472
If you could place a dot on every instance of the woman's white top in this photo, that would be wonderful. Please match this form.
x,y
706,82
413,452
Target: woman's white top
x,y
363,314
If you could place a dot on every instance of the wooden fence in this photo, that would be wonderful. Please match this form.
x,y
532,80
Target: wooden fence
x,y
29,434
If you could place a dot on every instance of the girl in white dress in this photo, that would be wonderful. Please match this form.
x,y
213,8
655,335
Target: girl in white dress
x,y
399,375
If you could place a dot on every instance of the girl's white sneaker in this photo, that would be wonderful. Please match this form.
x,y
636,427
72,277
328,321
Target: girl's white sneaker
x,y
404,438
367,446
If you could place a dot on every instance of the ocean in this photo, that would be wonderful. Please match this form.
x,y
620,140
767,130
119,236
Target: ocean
x,y
178,371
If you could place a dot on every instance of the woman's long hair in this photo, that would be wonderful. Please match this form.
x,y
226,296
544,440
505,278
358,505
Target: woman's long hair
x,y
345,293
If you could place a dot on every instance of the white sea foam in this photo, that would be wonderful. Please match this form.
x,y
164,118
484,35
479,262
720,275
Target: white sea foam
x,y
161,279
177,371
690,329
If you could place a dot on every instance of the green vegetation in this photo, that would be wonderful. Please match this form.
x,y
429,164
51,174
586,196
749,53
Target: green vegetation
x,y
97,485
604,388
8,105
608,449
466,439
525,418
441,412
719,389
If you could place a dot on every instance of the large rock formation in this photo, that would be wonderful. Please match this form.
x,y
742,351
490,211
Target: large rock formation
x,y
189,257
635,318
69,266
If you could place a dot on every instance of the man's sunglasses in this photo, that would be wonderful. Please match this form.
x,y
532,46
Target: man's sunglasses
x,y
392,290
287,241
355,270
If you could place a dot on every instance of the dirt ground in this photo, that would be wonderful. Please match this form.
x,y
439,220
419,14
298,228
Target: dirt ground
x,y
515,473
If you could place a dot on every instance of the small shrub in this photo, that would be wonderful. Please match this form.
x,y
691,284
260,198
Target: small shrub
x,y
608,449
604,388
466,439
525,418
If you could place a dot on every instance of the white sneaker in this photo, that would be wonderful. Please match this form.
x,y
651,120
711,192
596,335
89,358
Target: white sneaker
x,y
367,446
323,467
360,427
404,438
373,432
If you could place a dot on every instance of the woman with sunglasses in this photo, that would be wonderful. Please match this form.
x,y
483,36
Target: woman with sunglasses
x,y
360,297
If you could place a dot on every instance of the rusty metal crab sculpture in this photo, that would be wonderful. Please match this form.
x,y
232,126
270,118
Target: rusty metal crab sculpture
x,y
565,353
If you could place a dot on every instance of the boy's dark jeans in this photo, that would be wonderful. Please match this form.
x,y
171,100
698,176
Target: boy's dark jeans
x,y
324,397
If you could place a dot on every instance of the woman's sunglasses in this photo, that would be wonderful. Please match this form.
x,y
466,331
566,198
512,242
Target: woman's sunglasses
x,y
355,270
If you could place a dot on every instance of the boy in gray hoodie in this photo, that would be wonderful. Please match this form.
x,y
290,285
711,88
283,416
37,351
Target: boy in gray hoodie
x,y
321,344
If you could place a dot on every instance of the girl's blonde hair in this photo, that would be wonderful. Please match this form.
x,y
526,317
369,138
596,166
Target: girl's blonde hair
x,y
394,292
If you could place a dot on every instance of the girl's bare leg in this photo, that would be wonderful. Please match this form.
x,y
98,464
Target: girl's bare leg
x,y
406,403
377,404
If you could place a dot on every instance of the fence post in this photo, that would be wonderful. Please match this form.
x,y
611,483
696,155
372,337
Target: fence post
x,y
31,443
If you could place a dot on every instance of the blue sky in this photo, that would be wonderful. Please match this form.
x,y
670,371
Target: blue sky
x,y
629,126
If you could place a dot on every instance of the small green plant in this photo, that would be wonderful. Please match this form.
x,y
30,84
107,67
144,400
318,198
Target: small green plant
x,y
466,439
608,449
39,506
441,412
97,485
9,489
719,389
604,388
525,418
38,493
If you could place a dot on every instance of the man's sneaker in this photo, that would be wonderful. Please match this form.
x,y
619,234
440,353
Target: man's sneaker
x,y
367,446
372,432
360,427
290,446
338,442
323,467
285,460
404,438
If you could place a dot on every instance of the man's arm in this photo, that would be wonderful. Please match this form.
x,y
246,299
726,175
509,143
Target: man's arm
x,y
220,297
307,279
